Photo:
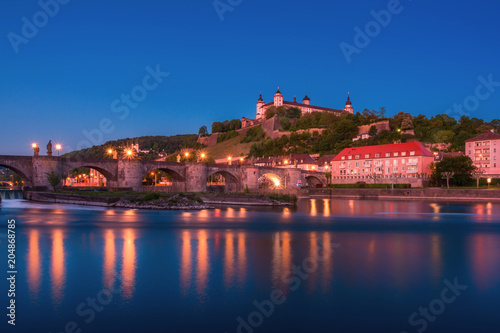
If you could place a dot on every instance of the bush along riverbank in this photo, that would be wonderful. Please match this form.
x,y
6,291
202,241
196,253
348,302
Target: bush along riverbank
x,y
159,200
163,201
156,200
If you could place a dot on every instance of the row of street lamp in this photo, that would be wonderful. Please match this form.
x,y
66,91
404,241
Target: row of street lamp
x,y
58,147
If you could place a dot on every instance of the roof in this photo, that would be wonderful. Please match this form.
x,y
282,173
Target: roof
x,y
260,98
306,98
301,159
348,101
485,136
407,147
325,159
306,106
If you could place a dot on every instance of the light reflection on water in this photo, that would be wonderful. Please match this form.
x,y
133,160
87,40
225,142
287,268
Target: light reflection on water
x,y
237,255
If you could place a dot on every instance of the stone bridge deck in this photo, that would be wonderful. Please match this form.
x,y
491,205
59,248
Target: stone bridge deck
x,y
124,173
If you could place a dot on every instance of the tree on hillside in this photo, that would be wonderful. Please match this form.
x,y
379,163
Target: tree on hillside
x,y
270,112
381,112
234,124
347,129
461,166
203,131
370,116
217,127
283,111
373,130
444,136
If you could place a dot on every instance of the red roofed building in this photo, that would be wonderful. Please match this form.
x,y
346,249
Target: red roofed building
x,y
407,160
484,151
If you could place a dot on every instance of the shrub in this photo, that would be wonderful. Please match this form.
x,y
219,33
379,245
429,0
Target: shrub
x,y
226,136
291,198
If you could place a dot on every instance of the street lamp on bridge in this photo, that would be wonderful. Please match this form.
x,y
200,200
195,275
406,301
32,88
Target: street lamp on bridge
x,y
58,148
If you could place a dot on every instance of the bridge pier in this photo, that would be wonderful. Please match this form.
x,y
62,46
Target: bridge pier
x,y
41,166
196,177
130,174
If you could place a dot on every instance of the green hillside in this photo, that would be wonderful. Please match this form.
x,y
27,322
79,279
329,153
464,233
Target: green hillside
x,y
157,144
231,147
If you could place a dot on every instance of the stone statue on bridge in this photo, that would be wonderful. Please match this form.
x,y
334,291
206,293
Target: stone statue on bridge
x,y
36,150
49,148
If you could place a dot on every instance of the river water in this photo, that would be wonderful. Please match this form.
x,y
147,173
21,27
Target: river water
x,y
325,266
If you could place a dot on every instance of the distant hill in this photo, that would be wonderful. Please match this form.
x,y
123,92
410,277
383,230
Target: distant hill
x,y
157,144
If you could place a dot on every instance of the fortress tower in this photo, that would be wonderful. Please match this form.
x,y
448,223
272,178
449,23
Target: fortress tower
x,y
348,105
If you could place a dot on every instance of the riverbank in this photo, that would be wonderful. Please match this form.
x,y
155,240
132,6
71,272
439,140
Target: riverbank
x,y
435,194
156,200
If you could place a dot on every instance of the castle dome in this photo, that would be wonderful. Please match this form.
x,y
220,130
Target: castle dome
x,y
306,98
348,101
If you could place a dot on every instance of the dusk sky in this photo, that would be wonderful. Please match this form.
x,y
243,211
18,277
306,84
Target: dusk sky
x,y
66,78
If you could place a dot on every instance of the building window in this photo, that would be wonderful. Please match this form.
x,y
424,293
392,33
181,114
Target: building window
x,y
403,153
343,158
412,153
350,158
387,154
402,168
470,144
396,154
403,161
367,156
377,155
357,157
357,164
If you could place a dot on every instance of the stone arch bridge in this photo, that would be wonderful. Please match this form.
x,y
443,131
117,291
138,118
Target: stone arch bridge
x,y
189,177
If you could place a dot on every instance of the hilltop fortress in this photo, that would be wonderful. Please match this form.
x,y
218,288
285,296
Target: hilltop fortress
x,y
272,126
279,101
305,106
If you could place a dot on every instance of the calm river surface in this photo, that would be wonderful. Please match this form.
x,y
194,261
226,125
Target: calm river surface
x,y
326,266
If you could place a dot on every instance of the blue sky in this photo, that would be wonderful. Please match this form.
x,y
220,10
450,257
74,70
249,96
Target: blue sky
x,y
64,80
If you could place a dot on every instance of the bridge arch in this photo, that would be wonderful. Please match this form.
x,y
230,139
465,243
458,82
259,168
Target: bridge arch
x,y
271,180
110,175
232,183
24,174
314,181
177,180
